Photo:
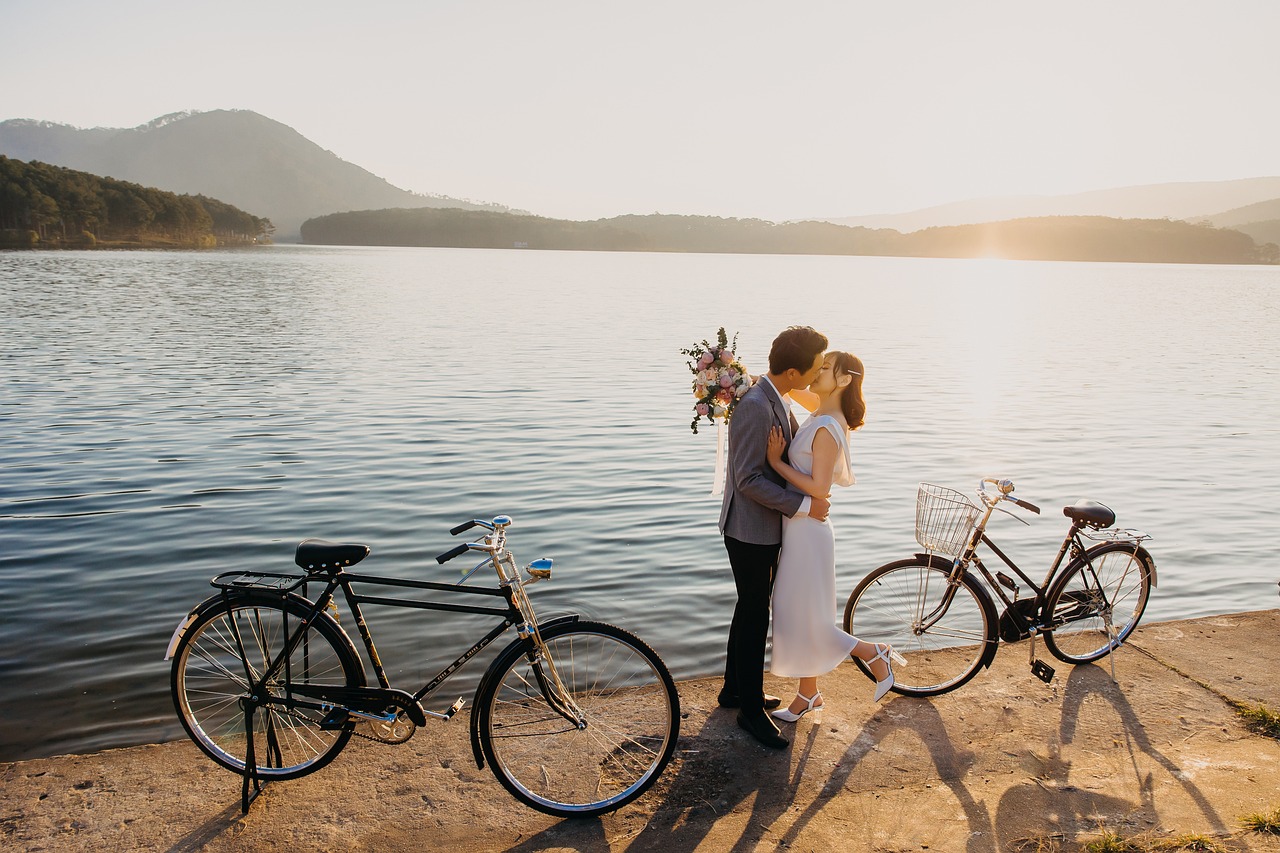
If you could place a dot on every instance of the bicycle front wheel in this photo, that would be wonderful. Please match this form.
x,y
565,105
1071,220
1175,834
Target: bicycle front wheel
x,y
532,737
947,632
228,644
1098,602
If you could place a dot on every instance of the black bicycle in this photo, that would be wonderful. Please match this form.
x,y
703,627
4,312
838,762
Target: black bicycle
x,y
935,609
574,717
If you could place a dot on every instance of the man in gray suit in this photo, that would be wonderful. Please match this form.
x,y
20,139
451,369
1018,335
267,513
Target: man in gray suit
x,y
755,499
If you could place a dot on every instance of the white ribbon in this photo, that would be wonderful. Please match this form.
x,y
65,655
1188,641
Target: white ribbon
x,y
722,434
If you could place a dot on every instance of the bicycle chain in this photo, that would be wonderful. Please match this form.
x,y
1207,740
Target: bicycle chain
x,y
357,726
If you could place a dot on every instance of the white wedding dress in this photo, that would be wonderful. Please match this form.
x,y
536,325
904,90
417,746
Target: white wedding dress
x,y
806,641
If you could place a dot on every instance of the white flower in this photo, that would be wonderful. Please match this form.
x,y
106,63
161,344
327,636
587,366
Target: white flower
x,y
719,411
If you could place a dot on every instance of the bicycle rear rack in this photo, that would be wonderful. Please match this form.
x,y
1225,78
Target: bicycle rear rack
x,y
1115,534
274,581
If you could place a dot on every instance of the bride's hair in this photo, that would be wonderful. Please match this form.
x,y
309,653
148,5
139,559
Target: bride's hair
x,y
851,400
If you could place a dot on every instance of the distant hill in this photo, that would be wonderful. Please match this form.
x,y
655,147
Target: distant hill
x,y
56,207
238,156
1190,201
1260,221
1069,238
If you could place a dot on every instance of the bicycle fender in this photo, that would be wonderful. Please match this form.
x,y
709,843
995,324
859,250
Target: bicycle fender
x,y
491,673
185,623
1140,552
217,599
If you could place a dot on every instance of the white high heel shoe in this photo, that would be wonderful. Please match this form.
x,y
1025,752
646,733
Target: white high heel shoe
x,y
785,714
886,653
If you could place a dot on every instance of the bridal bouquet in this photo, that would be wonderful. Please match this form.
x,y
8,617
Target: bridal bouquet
x,y
719,380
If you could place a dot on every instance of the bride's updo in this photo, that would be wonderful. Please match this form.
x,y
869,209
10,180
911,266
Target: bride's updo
x,y
851,401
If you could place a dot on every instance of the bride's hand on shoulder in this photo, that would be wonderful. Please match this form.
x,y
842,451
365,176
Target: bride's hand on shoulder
x,y
777,444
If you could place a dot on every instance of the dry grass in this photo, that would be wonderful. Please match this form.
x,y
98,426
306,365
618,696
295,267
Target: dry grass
x,y
1259,718
1112,842
1263,822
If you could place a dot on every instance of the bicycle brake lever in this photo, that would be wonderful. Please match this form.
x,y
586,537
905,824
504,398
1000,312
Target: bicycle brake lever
x,y
1011,515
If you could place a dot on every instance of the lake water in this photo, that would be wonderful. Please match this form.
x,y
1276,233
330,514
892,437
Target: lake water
x,y
167,416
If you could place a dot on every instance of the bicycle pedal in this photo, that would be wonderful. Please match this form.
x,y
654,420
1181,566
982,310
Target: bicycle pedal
x,y
454,708
1042,671
335,719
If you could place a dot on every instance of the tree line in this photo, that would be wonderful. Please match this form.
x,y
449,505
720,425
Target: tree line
x,y
1059,238
44,205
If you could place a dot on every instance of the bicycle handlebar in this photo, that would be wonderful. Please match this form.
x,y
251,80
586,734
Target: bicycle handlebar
x,y
1024,504
454,552
1005,486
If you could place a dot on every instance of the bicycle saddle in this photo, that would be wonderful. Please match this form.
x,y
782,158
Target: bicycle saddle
x,y
318,555
1091,513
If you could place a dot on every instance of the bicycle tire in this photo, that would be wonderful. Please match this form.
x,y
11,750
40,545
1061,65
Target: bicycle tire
x,y
208,679
1109,580
888,606
630,705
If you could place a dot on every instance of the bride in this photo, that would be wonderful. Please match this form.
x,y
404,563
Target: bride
x,y
806,641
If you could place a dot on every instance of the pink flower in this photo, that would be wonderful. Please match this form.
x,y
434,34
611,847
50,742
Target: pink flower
x,y
726,381
726,357
702,409
724,396
706,360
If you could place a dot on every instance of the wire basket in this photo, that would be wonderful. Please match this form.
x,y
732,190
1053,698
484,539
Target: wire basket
x,y
944,519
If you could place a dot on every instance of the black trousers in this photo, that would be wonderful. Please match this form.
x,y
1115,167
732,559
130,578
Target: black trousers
x,y
753,570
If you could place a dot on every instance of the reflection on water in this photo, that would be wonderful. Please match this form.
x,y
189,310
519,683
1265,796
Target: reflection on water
x,y
168,416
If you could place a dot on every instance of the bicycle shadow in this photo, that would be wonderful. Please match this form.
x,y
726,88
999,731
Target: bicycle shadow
x,y
724,777
1072,809
717,771
952,765
209,831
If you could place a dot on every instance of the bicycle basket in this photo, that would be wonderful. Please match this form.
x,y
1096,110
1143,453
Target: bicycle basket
x,y
944,518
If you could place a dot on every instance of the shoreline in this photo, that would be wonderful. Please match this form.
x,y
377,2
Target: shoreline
x,y
1003,761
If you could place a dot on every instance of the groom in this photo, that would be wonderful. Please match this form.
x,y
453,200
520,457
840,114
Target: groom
x,y
755,500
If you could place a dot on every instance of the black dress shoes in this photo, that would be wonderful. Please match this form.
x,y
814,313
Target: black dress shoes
x,y
731,700
762,729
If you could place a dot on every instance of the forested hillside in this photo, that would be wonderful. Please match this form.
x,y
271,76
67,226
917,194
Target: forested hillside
x,y
1063,238
43,205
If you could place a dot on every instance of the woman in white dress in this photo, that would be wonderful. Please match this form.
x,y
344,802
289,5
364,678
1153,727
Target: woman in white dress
x,y
806,641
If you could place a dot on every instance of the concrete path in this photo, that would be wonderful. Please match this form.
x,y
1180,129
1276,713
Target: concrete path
x,y
1005,763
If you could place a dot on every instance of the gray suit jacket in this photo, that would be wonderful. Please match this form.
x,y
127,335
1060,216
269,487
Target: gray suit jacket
x,y
755,496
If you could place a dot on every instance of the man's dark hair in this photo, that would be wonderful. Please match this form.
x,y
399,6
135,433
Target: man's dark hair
x,y
796,347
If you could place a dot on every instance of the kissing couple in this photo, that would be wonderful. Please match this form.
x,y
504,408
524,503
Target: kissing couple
x,y
774,522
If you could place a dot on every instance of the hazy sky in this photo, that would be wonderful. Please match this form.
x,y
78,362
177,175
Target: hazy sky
x,y
776,110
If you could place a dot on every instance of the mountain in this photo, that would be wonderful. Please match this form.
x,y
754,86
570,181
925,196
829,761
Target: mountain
x,y
238,156
1192,201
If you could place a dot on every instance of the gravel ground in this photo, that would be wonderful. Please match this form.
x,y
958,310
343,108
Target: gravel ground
x,y
1004,763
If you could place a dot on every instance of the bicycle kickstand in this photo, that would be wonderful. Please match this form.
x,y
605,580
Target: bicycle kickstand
x,y
250,762
1115,647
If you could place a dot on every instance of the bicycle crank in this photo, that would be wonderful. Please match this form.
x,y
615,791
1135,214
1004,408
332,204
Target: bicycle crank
x,y
397,730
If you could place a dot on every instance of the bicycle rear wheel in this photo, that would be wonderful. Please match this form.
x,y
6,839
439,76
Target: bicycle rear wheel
x,y
630,712
946,632
209,678
1098,601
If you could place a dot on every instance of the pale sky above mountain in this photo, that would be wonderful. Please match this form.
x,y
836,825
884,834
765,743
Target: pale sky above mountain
x,y
722,107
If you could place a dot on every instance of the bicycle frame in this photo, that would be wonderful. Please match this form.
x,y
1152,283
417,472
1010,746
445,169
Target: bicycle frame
x,y
1071,545
361,702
